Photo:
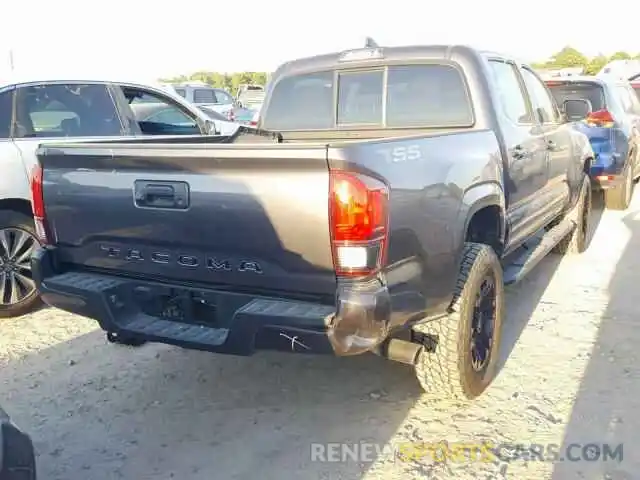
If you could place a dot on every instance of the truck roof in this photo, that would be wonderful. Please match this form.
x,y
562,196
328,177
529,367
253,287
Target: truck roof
x,y
332,60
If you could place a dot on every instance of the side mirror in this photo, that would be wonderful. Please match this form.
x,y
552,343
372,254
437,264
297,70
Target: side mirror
x,y
211,128
576,109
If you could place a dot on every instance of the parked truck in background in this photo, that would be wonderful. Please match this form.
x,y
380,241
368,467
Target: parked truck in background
x,y
407,187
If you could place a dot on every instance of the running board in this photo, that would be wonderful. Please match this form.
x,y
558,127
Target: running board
x,y
535,250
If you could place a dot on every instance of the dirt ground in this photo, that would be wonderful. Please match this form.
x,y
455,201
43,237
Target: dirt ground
x,y
98,411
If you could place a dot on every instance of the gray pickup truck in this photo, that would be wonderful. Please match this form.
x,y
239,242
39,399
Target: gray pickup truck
x,y
383,202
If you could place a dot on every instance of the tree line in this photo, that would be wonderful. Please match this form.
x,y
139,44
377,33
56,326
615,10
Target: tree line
x,y
570,57
567,57
228,81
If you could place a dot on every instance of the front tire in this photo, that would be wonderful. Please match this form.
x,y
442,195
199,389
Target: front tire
x,y
18,241
462,349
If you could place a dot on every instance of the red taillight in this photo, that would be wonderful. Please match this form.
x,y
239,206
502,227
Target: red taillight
x,y
358,216
253,123
37,203
600,118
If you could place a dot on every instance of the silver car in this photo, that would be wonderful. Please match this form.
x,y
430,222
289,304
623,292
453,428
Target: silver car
x,y
34,110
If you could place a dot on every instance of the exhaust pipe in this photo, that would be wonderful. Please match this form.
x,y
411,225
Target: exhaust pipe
x,y
399,350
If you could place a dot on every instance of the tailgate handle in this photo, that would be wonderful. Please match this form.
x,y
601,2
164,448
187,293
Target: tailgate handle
x,y
173,195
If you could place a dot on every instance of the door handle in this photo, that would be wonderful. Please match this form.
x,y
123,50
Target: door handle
x,y
174,195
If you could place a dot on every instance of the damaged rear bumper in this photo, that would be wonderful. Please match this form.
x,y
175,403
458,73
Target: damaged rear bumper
x,y
218,320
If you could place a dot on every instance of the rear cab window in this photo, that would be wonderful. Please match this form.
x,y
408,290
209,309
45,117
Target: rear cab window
x,y
569,90
397,96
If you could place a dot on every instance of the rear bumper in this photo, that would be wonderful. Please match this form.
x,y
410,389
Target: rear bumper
x,y
17,457
239,323
605,182
606,172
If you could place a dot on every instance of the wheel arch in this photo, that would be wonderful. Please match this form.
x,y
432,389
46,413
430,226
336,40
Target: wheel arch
x,y
20,205
485,219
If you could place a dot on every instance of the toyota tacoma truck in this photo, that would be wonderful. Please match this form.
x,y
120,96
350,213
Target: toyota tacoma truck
x,y
381,205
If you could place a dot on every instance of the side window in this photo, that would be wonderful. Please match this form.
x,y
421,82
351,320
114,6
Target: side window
x,y
66,110
204,95
155,108
510,92
171,116
181,92
223,98
540,97
6,109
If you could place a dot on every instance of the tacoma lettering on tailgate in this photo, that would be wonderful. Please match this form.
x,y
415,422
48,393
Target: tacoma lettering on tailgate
x,y
187,261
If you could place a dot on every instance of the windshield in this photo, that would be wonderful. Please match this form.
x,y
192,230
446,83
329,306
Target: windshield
x,y
427,95
212,113
593,92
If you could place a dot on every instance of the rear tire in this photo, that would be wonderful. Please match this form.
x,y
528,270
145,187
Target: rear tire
x,y
18,295
619,198
577,240
462,349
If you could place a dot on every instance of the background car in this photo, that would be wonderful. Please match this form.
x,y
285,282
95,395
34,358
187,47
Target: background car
x,y
33,110
249,96
201,94
225,126
244,116
608,112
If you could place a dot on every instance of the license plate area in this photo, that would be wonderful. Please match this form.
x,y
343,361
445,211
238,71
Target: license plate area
x,y
178,305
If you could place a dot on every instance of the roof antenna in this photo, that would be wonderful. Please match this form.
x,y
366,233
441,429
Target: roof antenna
x,y
370,43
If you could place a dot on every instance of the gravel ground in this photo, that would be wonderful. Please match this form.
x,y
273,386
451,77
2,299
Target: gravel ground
x,y
98,411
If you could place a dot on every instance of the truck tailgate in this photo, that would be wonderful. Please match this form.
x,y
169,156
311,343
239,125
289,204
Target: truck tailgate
x,y
240,216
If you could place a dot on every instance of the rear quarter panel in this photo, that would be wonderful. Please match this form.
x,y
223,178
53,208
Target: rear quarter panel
x,y
435,184
14,176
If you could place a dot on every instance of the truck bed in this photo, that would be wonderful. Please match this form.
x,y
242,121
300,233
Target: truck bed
x,y
242,228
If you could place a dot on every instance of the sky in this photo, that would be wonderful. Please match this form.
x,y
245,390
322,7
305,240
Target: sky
x,y
139,39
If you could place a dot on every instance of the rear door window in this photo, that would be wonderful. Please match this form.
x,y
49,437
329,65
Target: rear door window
x,y
66,110
511,95
593,92
425,95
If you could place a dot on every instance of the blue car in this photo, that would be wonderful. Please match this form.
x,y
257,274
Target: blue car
x,y
607,110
